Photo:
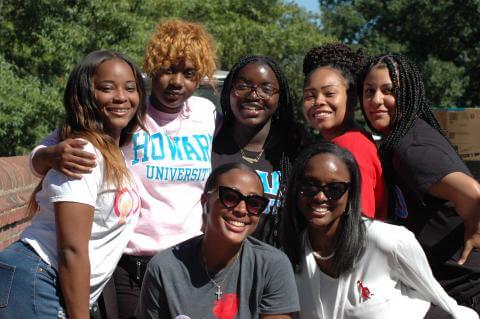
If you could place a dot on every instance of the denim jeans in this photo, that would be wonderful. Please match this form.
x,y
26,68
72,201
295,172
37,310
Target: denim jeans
x,y
29,287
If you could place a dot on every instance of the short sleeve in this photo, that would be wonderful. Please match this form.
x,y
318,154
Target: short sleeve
x,y
280,294
364,150
85,190
425,157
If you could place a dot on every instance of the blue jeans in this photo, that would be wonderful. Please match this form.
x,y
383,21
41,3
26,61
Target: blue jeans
x,y
28,286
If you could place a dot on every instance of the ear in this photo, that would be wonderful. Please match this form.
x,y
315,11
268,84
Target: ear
x,y
203,201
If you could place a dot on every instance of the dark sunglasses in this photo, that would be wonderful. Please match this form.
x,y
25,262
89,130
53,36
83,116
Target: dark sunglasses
x,y
230,198
332,191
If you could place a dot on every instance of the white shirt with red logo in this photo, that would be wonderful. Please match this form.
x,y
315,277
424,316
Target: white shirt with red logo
x,y
115,217
392,279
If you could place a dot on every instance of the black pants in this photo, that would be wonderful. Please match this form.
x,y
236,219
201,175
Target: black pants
x,y
436,312
106,305
128,277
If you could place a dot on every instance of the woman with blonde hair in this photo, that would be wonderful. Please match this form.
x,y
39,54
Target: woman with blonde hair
x,y
171,158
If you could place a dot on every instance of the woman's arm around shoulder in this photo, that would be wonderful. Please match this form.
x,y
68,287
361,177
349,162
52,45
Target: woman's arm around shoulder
x,y
67,157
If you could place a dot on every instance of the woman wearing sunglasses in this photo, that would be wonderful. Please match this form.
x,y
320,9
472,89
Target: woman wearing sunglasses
x,y
258,130
348,266
223,273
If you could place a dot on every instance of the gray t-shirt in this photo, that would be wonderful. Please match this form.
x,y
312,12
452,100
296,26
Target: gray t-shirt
x,y
260,281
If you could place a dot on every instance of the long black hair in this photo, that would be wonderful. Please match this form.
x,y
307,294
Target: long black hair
x,y
410,96
282,122
340,57
350,240
81,110
411,104
288,135
84,119
283,116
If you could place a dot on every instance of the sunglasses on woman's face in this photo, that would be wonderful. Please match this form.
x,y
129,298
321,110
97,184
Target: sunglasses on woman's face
x,y
230,198
332,191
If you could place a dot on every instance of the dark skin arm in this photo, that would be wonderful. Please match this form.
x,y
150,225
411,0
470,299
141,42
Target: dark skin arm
x,y
74,224
286,316
66,157
464,192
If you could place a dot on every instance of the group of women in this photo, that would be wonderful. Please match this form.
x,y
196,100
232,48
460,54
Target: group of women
x,y
180,207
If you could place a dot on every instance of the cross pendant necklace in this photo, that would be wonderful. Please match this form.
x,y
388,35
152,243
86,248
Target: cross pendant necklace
x,y
219,293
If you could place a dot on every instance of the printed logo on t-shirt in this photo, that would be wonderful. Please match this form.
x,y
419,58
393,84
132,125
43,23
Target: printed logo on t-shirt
x,y
271,186
401,209
193,150
126,203
226,307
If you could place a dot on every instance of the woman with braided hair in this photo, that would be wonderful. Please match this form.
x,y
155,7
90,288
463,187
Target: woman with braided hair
x,y
328,104
258,130
436,196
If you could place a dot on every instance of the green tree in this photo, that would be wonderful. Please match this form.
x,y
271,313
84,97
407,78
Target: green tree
x,y
26,108
440,36
41,41
269,27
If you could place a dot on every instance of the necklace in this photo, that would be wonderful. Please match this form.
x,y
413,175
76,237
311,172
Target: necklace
x,y
249,159
320,257
218,284
172,134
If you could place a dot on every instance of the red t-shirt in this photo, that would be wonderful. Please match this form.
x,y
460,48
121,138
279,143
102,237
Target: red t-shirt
x,y
363,148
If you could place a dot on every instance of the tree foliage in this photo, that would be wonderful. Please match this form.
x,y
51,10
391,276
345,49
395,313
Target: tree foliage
x,y
26,108
441,36
41,41
269,27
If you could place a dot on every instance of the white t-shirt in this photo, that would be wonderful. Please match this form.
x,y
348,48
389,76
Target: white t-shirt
x,y
115,216
393,274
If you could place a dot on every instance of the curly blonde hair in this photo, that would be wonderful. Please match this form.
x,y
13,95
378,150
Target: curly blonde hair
x,y
176,40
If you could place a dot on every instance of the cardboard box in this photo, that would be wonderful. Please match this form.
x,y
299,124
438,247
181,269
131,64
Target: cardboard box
x,y
463,129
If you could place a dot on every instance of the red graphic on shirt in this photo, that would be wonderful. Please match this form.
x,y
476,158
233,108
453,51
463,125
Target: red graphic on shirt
x,y
364,291
226,307
125,204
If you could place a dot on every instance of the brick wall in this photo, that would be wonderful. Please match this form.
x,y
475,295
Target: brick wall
x,y
16,186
